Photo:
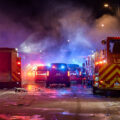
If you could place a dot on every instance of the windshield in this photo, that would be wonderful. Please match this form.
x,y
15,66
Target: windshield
x,y
114,46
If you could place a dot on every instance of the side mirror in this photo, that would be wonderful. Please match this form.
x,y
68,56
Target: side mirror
x,y
103,42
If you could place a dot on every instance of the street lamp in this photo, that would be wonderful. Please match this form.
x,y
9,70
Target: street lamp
x,y
40,51
106,5
68,41
16,49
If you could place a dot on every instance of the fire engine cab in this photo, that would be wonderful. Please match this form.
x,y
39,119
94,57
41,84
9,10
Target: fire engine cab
x,y
107,66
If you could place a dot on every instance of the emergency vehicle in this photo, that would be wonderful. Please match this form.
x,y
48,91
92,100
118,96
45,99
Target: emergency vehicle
x,y
58,74
107,66
41,74
10,68
75,72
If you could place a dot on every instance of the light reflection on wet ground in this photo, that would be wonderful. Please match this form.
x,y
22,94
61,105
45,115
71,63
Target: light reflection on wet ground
x,y
75,91
18,117
56,116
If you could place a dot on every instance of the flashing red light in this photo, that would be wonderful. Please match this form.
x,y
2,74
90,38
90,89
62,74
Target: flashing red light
x,y
68,73
18,63
47,73
84,78
53,67
100,62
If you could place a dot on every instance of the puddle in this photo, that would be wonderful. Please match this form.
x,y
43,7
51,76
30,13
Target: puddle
x,y
17,117
66,115
88,116
48,109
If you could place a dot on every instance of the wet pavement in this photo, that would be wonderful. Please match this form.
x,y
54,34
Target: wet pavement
x,y
58,103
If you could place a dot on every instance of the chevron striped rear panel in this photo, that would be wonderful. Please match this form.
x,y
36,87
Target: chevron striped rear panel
x,y
110,75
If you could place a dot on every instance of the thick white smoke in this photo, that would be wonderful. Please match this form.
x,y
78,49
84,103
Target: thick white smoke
x,y
79,34
66,33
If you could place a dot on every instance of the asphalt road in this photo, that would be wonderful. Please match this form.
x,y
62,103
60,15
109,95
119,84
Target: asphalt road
x,y
58,103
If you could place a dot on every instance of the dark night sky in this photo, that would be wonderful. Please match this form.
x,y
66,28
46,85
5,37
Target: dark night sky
x,y
33,8
48,24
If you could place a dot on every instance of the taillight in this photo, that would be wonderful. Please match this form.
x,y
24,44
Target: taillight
x,y
53,67
84,78
68,73
47,73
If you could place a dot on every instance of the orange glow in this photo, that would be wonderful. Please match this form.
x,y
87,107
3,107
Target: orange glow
x,y
100,62
96,63
68,73
29,74
30,87
101,81
47,73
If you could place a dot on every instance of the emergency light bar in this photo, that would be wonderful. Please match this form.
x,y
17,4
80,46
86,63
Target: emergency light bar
x,y
100,62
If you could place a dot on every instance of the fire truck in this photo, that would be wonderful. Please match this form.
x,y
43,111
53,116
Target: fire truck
x,y
10,68
107,66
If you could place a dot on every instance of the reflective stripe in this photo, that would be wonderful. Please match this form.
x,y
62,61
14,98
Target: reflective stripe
x,y
103,69
105,73
15,78
110,75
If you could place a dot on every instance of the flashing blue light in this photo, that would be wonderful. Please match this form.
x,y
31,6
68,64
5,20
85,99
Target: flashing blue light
x,y
62,67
